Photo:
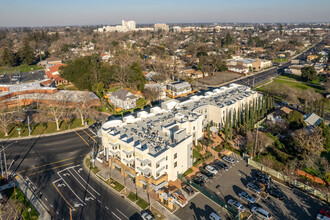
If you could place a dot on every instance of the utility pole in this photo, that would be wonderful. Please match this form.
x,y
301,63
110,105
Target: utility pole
x,y
29,125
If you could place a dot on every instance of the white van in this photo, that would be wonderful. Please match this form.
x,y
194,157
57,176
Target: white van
x,y
214,216
261,213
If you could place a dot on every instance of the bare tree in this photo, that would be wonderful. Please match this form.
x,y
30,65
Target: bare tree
x,y
308,144
6,118
152,93
84,108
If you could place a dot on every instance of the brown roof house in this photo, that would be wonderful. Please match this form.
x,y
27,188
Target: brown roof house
x,y
123,99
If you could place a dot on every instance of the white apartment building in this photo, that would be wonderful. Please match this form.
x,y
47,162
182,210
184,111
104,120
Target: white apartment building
x,y
154,147
161,27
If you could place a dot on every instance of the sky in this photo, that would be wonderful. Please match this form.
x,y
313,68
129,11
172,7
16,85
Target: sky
x,y
94,12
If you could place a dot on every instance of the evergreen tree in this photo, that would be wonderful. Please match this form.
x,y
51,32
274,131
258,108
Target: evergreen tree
x,y
26,53
7,57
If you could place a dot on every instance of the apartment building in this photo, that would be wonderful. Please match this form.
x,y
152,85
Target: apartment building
x,y
161,27
154,147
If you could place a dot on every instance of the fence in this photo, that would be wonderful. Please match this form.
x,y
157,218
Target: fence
x,y
212,196
315,192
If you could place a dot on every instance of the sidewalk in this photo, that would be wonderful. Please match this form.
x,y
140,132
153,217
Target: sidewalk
x,y
38,205
116,175
42,135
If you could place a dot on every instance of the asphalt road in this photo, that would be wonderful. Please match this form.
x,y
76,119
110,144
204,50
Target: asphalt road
x,y
52,165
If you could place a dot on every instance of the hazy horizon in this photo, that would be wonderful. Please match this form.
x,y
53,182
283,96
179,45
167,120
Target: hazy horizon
x,y
20,13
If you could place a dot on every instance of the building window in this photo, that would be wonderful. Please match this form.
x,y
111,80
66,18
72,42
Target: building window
x,y
157,174
157,165
166,166
166,158
194,128
149,164
175,164
175,155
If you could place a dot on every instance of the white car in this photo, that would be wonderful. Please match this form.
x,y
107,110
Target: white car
x,y
236,204
211,169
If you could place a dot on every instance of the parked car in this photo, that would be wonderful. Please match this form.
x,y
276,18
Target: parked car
x,y
236,204
322,217
253,187
217,168
260,185
261,213
211,169
223,165
207,173
199,181
147,215
229,160
247,197
263,176
325,212
214,216
203,177
277,193
189,190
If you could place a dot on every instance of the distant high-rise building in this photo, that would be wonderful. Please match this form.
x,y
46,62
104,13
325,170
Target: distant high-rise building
x,y
161,27
130,25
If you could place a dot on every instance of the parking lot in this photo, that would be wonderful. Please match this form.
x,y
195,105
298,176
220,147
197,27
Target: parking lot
x,y
295,205
199,208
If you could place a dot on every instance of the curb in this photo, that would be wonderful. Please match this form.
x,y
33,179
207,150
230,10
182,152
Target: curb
x,y
42,135
108,186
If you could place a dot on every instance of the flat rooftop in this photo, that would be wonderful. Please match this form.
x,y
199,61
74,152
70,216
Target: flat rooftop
x,y
154,131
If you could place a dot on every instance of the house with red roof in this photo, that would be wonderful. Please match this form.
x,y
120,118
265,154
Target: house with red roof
x,y
53,73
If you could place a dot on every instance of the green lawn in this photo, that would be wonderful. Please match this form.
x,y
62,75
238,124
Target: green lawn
x,y
21,203
299,79
21,68
297,85
142,204
132,196
50,127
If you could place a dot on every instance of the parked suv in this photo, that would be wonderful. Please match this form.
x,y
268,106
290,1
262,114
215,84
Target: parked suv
x,y
203,177
199,181
253,187
247,197
223,165
217,168
189,190
229,160
211,169
261,213
207,173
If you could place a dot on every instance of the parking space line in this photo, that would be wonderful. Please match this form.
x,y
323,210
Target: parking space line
x,y
64,197
87,183
82,185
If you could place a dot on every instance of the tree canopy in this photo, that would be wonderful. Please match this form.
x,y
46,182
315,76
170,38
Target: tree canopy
x,y
308,73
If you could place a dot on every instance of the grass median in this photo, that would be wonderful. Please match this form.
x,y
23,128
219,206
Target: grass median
x,y
21,203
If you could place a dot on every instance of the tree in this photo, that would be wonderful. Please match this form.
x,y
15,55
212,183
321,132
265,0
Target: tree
x,y
84,108
308,73
152,94
281,29
6,118
295,120
26,54
228,39
7,57
308,144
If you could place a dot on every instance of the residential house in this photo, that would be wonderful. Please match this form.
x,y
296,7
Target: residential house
x,y
123,99
296,69
53,61
312,120
178,88
53,73
311,57
193,73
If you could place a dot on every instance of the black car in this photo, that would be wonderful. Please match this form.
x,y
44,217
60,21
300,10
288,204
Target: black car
x,y
189,190
276,193
199,181
223,165
217,167
207,173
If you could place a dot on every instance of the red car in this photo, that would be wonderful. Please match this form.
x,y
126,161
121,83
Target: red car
x,y
325,212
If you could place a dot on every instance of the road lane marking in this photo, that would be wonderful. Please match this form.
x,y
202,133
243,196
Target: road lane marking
x,y
67,169
72,191
116,215
122,213
33,168
63,197
81,138
82,185
87,183
90,136
49,169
